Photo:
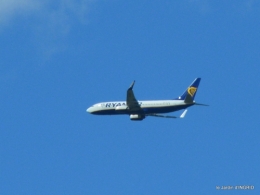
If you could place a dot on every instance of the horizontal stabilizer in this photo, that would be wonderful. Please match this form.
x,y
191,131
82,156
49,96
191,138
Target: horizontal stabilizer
x,y
183,114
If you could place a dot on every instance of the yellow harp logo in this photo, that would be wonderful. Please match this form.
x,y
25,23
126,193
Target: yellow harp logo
x,y
192,91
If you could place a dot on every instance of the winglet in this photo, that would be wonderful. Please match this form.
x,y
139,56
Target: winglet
x,y
183,114
131,86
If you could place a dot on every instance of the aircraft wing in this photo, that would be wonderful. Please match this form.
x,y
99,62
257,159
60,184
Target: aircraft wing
x,y
131,101
165,116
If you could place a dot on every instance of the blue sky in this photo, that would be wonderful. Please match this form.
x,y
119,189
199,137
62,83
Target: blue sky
x,y
60,57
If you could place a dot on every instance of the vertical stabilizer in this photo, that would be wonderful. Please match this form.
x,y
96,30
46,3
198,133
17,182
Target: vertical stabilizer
x,y
189,95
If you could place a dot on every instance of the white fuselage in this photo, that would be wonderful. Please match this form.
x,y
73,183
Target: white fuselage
x,y
148,107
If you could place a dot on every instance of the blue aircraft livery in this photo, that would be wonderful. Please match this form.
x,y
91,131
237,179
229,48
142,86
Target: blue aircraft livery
x,y
115,104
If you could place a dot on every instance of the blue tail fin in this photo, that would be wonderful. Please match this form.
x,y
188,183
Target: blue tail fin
x,y
189,95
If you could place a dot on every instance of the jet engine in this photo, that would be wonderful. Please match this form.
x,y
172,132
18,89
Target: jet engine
x,y
137,117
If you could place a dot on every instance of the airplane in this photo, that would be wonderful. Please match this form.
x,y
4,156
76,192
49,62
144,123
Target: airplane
x,y
139,110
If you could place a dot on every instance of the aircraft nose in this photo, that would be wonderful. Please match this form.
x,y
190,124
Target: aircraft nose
x,y
89,110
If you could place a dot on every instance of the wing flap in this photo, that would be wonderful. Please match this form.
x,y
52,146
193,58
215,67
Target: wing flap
x,y
166,116
159,115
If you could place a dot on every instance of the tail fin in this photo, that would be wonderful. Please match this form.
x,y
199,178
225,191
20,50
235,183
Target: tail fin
x,y
189,95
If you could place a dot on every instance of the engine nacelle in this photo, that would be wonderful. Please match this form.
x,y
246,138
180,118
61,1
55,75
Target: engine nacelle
x,y
137,117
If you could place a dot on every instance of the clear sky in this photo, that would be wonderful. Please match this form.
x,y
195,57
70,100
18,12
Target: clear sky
x,y
59,57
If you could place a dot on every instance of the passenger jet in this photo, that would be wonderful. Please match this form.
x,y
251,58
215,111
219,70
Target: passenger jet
x,y
138,110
